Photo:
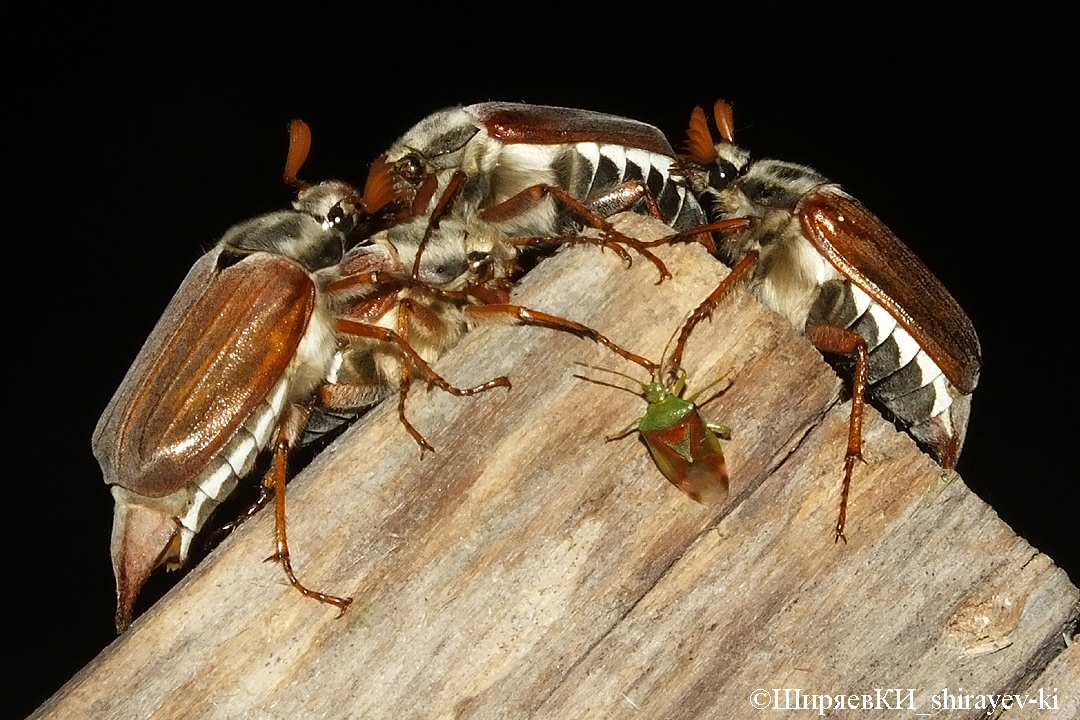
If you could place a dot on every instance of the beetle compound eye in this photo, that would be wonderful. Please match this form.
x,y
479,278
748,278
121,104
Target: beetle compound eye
x,y
722,175
410,169
481,264
341,220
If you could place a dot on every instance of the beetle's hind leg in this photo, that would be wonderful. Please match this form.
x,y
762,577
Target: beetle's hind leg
x,y
275,478
842,341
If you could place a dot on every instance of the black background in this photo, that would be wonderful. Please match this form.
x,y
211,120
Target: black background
x,y
137,140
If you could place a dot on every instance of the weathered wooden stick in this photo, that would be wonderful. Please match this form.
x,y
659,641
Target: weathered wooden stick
x,y
529,569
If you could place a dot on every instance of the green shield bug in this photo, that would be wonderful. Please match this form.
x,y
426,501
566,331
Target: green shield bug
x,y
685,447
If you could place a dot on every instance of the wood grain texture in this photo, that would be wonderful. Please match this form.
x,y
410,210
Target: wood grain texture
x,y
528,569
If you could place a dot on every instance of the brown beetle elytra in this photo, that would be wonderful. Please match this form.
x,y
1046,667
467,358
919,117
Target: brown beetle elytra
x,y
233,366
283,316
840,275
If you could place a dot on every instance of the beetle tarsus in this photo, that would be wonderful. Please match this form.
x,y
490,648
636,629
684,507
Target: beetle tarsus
x,y
341,603
425,446
281,542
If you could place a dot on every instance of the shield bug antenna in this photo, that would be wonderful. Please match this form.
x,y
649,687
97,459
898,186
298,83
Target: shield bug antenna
x,y
685,447
844,279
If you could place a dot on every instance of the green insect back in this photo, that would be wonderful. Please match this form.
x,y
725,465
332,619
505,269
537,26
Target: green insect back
x,y
666,409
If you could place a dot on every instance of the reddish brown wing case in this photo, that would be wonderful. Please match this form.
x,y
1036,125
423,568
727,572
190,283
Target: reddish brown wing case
x,y
866,251
221,345
689,456
515,123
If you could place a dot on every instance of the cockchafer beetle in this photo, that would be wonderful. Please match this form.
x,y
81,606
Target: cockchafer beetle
x,y
281,316
429,283
469,187
430,294
815,255
233,367
685,447
536,173
473,186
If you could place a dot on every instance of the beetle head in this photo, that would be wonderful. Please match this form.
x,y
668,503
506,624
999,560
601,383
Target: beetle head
x,y
408,174
457,255
711,165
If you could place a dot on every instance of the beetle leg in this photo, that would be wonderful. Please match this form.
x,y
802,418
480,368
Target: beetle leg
x,y
532,196
350,396
704,310
832,339
265,493
701,233
375,332
405,309
565,240
276,478
442,208
623,197
534,317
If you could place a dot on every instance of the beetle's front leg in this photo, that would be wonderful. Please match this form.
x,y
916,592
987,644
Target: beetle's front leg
x,y
704,310
534,317
702,233
442,208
